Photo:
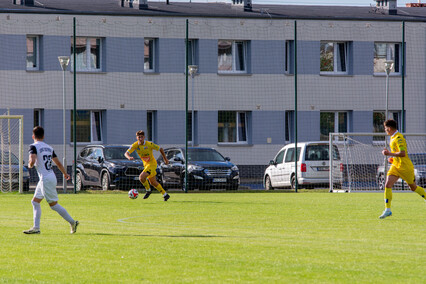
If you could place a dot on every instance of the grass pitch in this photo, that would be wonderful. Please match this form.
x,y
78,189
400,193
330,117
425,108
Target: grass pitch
x,y
259,237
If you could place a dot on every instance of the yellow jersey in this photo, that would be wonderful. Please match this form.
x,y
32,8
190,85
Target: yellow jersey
x,y
144,151
398,144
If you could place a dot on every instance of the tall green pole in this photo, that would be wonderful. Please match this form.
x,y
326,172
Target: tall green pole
x,y
74,114
295,104
403,78
186,107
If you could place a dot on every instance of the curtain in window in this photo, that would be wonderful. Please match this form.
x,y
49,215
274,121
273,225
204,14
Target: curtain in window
x,y
242,133
224,55
96,126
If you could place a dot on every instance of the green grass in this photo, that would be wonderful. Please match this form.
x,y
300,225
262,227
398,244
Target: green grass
x,y
260,237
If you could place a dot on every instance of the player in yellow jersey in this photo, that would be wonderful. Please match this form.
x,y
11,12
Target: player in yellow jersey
x,y
144,150
401,167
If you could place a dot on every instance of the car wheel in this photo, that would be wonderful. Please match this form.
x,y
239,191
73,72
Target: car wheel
x,y
381,181
293,182
268,185
26,186
78,182
105,181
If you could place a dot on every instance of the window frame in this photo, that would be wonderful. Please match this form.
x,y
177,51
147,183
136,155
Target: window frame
x,y
152,51
88,61
193,140
93,126
336,60
193,52
234,50
289,57
151,122
397,62
336,123
238,140
392,114
38,117
36,48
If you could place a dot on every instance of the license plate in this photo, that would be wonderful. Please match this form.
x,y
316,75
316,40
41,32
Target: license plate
x,y
219,180
323,169
136,178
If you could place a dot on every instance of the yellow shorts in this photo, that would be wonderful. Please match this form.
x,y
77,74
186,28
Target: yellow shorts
x,y
151,170
406,174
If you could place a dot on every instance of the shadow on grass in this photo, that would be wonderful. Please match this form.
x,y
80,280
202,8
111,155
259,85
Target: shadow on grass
x,y
161,236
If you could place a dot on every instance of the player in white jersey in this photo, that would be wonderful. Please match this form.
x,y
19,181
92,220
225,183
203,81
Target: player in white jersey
x,y
41,156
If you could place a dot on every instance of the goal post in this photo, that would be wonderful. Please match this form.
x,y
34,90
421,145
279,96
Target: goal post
x,y
11,153
360,165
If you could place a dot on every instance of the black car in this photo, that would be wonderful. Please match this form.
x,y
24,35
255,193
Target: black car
x,y
107,167
207,169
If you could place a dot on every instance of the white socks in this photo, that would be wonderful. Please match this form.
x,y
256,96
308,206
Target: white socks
x,y
63,212
37,214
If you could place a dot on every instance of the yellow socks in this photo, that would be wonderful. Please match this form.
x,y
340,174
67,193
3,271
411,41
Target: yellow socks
x,y
420,191
160,189
388,197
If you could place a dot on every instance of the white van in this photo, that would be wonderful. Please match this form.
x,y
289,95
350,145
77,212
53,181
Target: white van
x,y
313,166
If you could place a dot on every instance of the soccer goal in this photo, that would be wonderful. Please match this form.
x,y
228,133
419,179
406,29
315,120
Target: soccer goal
x,y
11,154
362,167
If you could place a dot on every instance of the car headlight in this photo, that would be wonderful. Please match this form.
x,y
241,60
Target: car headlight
x,y
234,168
192,168
26,173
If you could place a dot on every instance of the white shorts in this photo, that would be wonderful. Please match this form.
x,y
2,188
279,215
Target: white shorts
x,y
46,188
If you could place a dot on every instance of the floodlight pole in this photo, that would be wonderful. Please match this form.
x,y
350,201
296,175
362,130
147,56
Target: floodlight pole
x,y
193,71
64,61
388,68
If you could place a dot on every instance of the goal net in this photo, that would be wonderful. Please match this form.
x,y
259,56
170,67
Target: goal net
x,y
11,154
361,165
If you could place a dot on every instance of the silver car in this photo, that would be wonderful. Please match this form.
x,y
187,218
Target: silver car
x,y
419,162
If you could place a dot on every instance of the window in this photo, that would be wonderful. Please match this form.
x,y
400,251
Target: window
x,y
232,56
88,54
192,52
280,157
149,55
379,119
189,128
289,156
289,54
33,52
38,117
150,125
333,122
386,51
232,127
89,126
289,126
334,57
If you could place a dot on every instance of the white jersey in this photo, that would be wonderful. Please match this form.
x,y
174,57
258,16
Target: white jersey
x,y
43,163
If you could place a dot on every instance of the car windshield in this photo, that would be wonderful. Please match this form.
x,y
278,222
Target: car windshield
x,y
418,159
8,158
205,155
117,153
320,153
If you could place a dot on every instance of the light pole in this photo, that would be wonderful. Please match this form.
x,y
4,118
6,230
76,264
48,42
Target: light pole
x,y
64,61
388,68
192,71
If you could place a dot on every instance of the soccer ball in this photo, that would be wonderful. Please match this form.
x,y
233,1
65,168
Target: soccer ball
x,y
133,194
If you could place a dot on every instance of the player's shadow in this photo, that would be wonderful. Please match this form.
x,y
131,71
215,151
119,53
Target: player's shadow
x,y
161,236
